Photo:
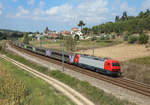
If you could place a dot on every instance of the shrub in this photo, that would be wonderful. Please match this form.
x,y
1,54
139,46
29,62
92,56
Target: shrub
x,y
132,39
93,38
143,39
107,37
113,37
125,38
102,38
25,38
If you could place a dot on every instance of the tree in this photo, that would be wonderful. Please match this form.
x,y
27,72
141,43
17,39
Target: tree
x,y
117,19
124,16
81,24
2,36
85,30
46,30
141,14
132,39
143,39
25,38
70,43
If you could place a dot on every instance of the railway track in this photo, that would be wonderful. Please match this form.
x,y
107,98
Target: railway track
x,y
69,92
132,85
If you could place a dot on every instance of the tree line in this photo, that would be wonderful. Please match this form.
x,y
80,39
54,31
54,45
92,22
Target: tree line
x,y
131,24
8,34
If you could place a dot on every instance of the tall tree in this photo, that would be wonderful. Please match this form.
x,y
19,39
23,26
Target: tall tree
x,y
117,19
124,16
46,30
25,38
85,30
141,14
70,43
81,24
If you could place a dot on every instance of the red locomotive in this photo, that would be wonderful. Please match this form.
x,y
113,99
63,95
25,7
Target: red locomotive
x,y
102,65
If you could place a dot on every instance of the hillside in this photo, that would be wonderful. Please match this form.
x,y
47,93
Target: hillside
x,y
124,23
9,34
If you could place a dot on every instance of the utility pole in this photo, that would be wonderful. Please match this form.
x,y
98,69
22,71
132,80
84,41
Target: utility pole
x,y
93,48
40,42
63,56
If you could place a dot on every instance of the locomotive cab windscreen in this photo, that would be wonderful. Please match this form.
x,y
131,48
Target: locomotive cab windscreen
x,y
112,65
115,66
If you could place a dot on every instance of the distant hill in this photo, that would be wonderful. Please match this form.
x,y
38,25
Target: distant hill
x,y
8,30
10,34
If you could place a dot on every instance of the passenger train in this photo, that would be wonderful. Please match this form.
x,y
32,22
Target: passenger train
x,y
100,65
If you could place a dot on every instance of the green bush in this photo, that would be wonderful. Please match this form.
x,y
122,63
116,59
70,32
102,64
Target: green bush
x,y
102,38
132,39
107,37
93,38
113,37
143,39
125,38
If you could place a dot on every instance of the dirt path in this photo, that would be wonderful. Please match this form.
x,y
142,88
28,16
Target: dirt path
x,y
121,52
67,91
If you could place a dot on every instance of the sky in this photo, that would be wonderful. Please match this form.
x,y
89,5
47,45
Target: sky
x,y
36,15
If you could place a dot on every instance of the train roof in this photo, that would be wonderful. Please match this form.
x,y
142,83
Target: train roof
x,y
93,57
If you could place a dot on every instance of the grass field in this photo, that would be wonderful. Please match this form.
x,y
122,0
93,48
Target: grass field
x,y
18,87
121,52
137,69
81,45
145,60
96,95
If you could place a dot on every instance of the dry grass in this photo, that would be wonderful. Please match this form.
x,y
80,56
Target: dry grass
x,y
138,72
121,52
12,91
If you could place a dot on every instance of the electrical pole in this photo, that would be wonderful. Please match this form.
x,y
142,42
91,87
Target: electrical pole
x,y
40,42
93,48
63,56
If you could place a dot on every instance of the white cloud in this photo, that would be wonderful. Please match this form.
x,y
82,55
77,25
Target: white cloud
x,y
1,8
22,12
90,11
125,7
60,10
14,0
93,10
119,7
39,11
0,12
146,4
41,4
30,2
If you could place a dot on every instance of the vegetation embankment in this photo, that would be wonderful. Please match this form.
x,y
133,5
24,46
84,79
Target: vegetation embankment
x,y
18,87
137,69
96,95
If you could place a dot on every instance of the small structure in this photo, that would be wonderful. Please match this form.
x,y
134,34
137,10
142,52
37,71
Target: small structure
x,y
76,33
